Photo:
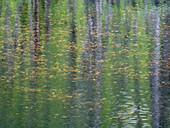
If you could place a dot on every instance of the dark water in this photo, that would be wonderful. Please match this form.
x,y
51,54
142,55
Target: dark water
x,y
84,64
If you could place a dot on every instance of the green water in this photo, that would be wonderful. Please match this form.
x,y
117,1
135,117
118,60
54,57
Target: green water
x,y
84,64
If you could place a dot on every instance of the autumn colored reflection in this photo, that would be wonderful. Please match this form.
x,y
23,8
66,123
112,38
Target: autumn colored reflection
x,y
84,64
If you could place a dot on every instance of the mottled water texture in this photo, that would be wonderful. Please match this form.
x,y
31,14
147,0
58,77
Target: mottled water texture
x,y
84,64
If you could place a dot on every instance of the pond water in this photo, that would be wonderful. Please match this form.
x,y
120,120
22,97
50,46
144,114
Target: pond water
x,y
84,64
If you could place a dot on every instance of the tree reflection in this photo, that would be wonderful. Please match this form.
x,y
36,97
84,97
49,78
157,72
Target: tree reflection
x,y
34,51
92,64
47,86
7,71
155,69
160,70
165,74
99,79
72,65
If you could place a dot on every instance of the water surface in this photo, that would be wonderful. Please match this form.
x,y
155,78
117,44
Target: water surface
x,y
84,64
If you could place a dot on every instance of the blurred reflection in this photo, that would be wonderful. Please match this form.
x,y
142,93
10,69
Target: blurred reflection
x,y
72,64
7,70
114,72
92,64
0,8
155,69
47,86
165,74
160,70
33,101
20,46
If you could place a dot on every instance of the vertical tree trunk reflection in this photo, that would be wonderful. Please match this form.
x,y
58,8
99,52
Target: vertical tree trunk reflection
x,y
36,26
31,30
20,5
72,64
155,69
34,51
92,64
46,108
165,74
